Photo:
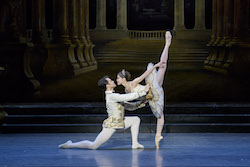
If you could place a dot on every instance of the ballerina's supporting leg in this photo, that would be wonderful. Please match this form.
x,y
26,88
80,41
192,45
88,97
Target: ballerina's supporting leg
x,y
161,76
164,58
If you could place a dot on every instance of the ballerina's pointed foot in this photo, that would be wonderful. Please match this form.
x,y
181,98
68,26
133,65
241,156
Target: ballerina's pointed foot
x,y
168,37
137,146
65,145
157,141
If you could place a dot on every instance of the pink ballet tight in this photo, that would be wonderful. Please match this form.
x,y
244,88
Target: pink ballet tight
x,y
161,76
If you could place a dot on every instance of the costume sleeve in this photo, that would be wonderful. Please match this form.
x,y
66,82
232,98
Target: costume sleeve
x,y
127,97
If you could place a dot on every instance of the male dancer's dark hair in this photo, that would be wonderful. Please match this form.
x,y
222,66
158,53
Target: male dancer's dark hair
x,y
103,82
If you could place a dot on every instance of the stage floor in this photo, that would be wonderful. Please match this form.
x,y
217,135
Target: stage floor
x,y
176,149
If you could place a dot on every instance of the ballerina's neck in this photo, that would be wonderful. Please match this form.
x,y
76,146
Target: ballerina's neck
x,y
128,87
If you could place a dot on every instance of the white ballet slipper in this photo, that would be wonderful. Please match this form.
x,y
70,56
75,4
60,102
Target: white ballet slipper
x,y
137,146
65,145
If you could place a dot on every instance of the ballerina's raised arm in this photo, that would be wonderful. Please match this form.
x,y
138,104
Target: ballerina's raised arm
x,y
139,79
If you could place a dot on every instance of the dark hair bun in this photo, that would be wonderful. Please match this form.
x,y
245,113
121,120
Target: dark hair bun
x,y
127,75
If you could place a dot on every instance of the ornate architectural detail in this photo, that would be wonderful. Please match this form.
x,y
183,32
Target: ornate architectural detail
x,y
229,44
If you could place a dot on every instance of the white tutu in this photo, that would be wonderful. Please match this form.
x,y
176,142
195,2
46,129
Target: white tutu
x,y
157,102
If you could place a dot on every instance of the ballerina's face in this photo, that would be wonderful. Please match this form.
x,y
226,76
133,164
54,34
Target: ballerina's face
x,y
120,80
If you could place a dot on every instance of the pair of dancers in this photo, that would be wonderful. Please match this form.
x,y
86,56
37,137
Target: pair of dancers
x,y
115,103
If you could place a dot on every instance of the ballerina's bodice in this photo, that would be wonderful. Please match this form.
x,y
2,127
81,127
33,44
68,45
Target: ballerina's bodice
x,y
138,88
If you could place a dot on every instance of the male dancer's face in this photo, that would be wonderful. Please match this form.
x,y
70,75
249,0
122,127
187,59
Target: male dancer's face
x,y
111,84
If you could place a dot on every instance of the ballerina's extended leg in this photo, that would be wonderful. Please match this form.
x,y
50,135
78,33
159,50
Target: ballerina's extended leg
x,y
161,76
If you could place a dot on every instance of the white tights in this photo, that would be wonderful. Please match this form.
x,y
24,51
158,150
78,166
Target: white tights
x,y
130,122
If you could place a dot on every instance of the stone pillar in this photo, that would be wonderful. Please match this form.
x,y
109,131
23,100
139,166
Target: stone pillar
x,y
60,29
121,15
73,15
219,21
91,45
39,54
12,20
15,52
74,28
241,18
214,21
22,22
101,14
38,21
228,32
81,35
238,61
228,20
232,43
220,34
61,60
179,15
212,51
82,32
200,15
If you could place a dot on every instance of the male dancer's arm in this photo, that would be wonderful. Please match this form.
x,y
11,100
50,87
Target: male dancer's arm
x,y
132,106
127,97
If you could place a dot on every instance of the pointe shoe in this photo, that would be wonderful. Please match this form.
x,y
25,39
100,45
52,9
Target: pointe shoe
x,y
168,38
137,146
157,141
65,145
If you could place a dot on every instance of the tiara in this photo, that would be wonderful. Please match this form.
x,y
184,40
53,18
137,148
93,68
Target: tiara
x,y
123,72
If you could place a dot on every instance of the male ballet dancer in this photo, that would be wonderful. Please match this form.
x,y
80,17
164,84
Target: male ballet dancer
x,y
115,120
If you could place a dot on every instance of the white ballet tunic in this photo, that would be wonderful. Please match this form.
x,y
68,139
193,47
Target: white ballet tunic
x,y
157,102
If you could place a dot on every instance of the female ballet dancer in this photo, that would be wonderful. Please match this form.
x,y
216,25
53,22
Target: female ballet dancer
x,y
155,79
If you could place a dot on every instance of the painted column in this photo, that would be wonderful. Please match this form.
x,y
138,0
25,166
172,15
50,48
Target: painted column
x,y
214,21
61,21
101,15
238,31
82,51
213,51
73,26
179,15
38,21
241,18
228,31
200,15
91,45
219,21
121,15
228,20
